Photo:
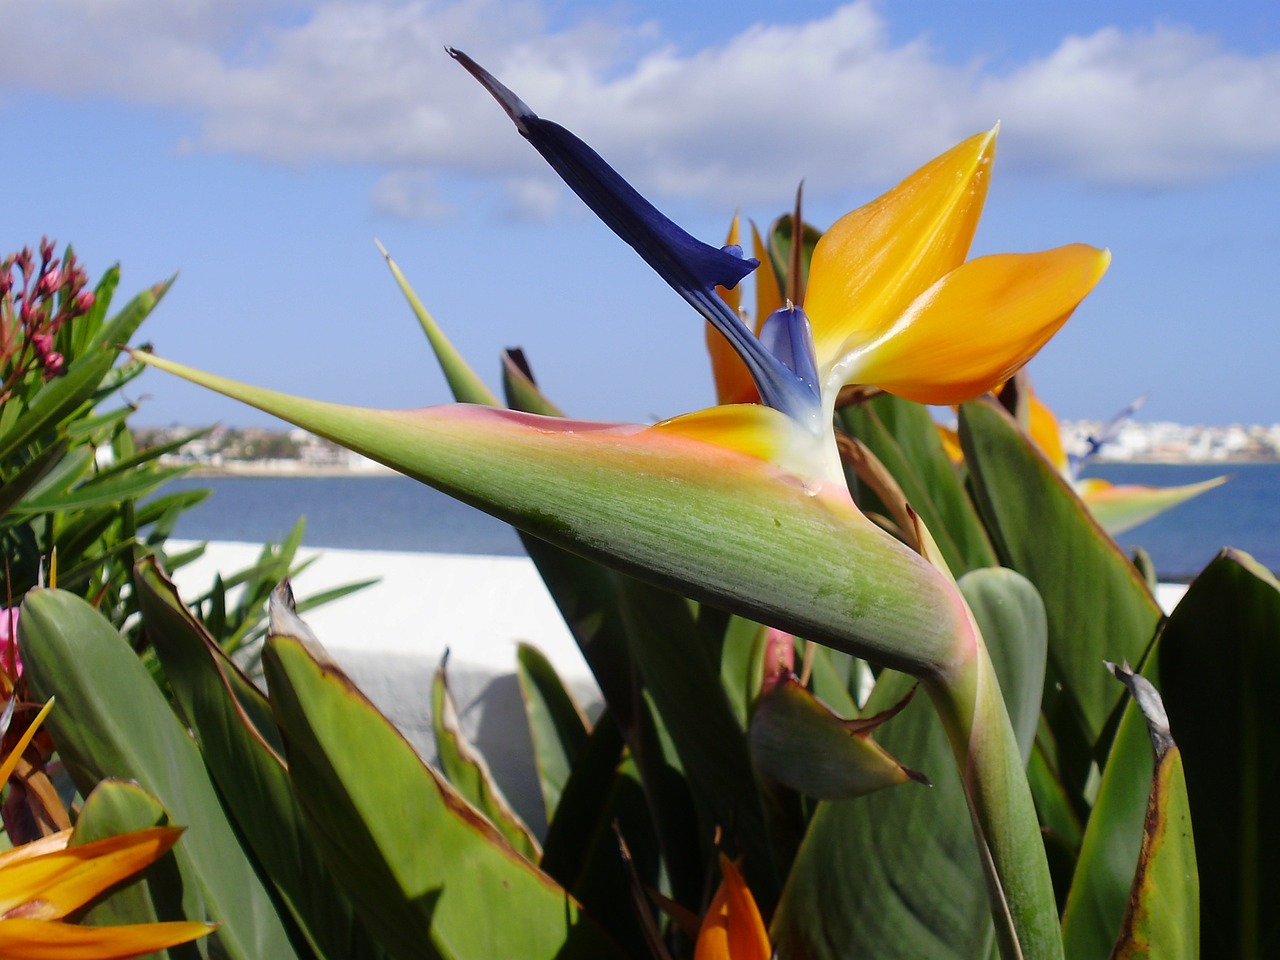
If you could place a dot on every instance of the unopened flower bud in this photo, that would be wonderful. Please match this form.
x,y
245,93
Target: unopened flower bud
x,y
50,280
84,301
779,658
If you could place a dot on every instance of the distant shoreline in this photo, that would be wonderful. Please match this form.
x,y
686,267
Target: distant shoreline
x,y
299,470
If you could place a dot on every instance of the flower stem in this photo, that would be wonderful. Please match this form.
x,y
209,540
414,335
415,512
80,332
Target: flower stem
x,y
968,700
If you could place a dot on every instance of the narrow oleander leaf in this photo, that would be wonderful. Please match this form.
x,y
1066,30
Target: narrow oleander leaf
x,y
556,724
113,721
469,773
393,833
1219,655
798,741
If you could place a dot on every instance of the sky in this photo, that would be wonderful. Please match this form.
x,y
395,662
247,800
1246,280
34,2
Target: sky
x,y
256,148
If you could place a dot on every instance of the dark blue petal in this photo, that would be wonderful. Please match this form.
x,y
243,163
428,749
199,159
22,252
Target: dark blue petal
x,y
691,267
788,335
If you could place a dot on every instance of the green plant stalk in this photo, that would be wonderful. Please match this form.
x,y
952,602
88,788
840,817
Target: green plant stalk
x,y
967,698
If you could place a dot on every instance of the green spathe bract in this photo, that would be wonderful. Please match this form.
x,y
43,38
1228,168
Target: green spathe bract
x,y
720,526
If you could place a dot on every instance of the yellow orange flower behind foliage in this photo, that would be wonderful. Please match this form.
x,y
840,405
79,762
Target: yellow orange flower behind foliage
x,y
43,881
1117,507
733,928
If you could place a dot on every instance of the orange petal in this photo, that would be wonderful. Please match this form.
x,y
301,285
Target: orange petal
x,y
733,382
11,761
976,326
873,262
760,432
50,886
1045,432
43,940
733,928
950,443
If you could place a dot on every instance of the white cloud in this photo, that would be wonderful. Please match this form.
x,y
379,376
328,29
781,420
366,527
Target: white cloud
x,y
833,100
410,195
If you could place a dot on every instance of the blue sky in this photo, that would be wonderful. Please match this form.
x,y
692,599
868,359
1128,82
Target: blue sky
x,y
257,148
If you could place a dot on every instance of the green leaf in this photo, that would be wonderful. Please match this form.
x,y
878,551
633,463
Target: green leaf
x,y
32,473
587,595
798,741
521,391
394,833
715,525
113,808
467,387
241,746
604,799
682,676
557,727
895,874
62,396
1136,881
469,774
1045,532
96,493
112,721
1219,656
1122,508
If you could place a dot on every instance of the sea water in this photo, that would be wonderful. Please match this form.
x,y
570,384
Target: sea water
x,y
395,513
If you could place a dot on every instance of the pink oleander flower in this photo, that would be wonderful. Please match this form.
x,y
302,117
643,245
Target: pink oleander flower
x,y
10,662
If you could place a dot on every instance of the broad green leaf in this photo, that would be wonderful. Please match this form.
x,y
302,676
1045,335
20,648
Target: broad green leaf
x,y
113,808
393,833
469,774
241,746
1045,532
602,800
798,741
1135,892
112,721
1219,656
556,725
682,676
896,873
781,234
904,437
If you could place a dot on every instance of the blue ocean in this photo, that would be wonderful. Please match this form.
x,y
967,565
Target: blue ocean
x,y
395,513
